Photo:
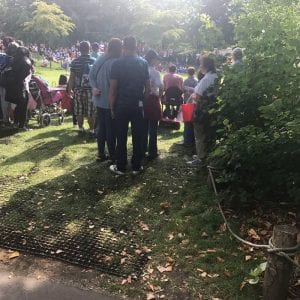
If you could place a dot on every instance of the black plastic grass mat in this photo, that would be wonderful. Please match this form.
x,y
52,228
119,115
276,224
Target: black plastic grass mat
x,y
105,241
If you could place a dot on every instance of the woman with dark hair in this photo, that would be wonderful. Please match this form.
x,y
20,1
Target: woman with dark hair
x,y
17,87
152,108
205,96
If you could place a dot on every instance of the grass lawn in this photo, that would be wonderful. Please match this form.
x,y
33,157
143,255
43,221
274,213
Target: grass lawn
x,y
169,207
50,74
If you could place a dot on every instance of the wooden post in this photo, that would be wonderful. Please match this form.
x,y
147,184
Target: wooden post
x,y
279,269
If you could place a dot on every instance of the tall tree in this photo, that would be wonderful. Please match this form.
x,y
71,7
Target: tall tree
x,y
48,22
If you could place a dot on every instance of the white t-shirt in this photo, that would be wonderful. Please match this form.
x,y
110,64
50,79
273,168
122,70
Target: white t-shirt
x,y
207,81
155,81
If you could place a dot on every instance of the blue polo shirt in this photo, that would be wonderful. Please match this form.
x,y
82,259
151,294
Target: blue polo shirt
x,y
131,73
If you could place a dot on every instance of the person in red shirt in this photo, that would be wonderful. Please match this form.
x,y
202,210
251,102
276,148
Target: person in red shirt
x,y
173,88
172,79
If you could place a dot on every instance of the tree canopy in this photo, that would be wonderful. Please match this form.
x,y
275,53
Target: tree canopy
x,y
179,25
48,22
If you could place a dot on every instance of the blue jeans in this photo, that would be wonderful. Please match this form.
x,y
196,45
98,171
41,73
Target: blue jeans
x,y
123,117
188,133
106,133
150,138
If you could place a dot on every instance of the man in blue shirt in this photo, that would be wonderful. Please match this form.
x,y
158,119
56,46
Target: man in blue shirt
x,y
129,86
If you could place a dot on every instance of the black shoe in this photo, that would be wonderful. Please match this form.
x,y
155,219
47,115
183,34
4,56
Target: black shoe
x,y
137,172
152,157
81,133
101,158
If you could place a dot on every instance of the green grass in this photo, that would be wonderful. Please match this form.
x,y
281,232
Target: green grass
x,y
50,74
47,163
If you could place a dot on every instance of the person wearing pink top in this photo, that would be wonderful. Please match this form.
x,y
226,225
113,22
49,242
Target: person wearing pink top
x,y
172,79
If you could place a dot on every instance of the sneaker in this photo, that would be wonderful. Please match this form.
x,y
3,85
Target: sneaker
x,y
81,132
152,157
114,169
136,172
195,163
24,129
92,135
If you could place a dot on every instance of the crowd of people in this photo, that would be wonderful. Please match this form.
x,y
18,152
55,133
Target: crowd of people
x,y
114,89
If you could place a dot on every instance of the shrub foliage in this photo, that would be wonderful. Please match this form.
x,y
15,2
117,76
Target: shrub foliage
x,y
258,109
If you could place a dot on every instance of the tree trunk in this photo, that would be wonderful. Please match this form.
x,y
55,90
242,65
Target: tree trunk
x,y
279,269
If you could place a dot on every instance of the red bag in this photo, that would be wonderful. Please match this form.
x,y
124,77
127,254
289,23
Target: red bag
x,y
188,112
152,108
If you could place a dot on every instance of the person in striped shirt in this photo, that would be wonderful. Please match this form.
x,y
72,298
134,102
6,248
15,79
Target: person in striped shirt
x,y
79,84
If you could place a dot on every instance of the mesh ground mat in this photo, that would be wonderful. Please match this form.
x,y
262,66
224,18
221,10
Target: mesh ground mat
x,y
35,224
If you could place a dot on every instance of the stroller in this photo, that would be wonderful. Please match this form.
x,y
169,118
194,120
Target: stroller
x,y
48,102
170,106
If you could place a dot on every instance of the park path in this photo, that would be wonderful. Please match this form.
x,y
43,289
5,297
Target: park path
x,y
26,288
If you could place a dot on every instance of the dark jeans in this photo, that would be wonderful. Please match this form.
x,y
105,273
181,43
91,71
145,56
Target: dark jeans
x,y
123,117
106,133
188,133
21,112
150,138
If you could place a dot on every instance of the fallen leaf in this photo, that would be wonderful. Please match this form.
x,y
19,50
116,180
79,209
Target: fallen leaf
x,y
171,236
150,296
59,251
150,270
264,232
204,234
243,285
165,205
169,259
123,260
214,275
107,258
144,226
185,242
220,260
91,226
150,287
248,257
14,255
223,227
146,249
211,251
253,234
227,273
162,269
204,274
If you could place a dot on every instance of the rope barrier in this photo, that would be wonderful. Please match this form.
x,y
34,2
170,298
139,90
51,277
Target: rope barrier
x,y
270,247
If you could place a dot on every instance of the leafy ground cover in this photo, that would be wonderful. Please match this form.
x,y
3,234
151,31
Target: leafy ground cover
x,y
170,207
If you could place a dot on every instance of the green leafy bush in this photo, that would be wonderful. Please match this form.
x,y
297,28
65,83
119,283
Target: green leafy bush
x,y
258,108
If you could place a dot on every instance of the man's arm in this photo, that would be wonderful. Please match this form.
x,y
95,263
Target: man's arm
x,y
93,77
113,96
71,83
147,89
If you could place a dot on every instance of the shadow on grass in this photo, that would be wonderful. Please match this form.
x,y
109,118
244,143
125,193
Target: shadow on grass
x,y
88,217
95,219
7,132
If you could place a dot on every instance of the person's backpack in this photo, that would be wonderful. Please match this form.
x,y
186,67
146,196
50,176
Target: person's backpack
x,y
3,61
7,75
84,75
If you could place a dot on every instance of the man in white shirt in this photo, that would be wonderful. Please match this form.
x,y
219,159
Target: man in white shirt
x,y
203,95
